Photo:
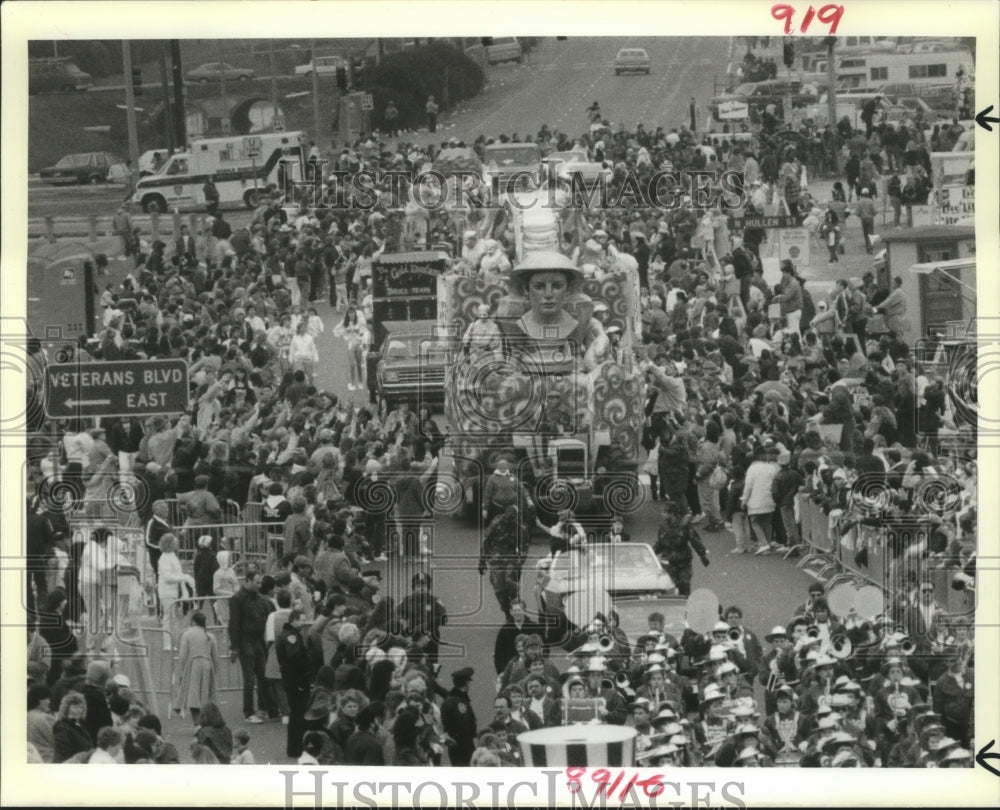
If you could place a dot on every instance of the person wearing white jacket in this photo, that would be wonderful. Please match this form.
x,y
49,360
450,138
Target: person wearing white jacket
x,y
302,352
757,496
99,582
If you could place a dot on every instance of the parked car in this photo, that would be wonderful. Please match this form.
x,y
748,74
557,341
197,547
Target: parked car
x,y
504,49
55,75
631,60
85,167
214,71
322,66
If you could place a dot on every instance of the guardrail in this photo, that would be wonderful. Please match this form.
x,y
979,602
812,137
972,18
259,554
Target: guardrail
x,y
94,226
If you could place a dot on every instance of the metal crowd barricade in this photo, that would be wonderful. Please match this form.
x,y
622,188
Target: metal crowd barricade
x,y
815,530
248,542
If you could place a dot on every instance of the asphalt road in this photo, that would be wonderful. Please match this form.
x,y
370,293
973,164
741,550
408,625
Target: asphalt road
x,y
561,81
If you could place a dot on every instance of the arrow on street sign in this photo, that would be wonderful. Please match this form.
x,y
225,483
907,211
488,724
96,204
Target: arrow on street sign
x,y
72,403
981,119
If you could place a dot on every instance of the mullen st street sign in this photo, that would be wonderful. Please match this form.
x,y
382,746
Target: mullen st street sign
x,y
126,388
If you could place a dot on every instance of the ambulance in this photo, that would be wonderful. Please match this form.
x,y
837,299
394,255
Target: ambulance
x,y
242,168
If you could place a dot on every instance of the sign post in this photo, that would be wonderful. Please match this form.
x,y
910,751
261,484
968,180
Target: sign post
x,y
121,388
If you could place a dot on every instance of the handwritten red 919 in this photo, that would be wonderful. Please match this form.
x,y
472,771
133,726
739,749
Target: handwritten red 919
x,y
613,784
829,14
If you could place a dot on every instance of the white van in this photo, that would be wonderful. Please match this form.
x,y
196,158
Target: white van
x,y
240,177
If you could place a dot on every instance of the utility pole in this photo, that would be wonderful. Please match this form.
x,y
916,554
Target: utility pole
x,y
222,80
274,94
315,89
133,132
169,125
831,100
180,111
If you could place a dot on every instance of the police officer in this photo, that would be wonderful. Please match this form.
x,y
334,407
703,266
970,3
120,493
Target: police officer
x,y
458,719
296,678
674,544
424,616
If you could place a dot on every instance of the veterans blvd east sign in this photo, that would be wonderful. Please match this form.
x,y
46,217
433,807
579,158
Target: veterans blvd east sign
x,y
126,388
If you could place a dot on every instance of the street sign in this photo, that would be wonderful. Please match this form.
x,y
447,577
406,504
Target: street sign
x,y
121,388
774,221
253,146
367,102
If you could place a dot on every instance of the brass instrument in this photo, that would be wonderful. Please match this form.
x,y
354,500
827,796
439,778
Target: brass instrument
x,y
841,647
812,631
605,644
621,680
607,683
908,646
734,634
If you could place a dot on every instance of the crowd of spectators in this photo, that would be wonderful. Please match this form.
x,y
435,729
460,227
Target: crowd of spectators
x,y
786,396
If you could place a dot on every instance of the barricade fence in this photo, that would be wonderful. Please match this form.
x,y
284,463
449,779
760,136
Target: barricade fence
x,y
890,554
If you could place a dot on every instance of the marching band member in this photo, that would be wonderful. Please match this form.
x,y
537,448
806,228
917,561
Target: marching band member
x,y
746,642
713,729
782,725
777,666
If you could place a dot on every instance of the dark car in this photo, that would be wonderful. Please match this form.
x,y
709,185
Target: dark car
x,y
85,167
56,75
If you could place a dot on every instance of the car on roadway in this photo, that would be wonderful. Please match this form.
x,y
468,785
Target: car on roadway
x,y
616,569
84,167
321,66
214,71
56,75
504,49
513,164
575,162
411,367
632,60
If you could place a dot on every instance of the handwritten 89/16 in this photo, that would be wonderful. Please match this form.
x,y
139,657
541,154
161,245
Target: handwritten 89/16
x,y
612,785
829,14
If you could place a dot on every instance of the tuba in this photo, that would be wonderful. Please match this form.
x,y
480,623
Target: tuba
x,y
841,647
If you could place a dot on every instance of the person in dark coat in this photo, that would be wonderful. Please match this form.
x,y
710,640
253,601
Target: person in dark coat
x,y
504,650
424,616
364,746
459,720
293,660
70,736
94,693
61,640
248,612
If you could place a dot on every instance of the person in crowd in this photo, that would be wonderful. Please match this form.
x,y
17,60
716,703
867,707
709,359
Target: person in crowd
x,y
199,661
